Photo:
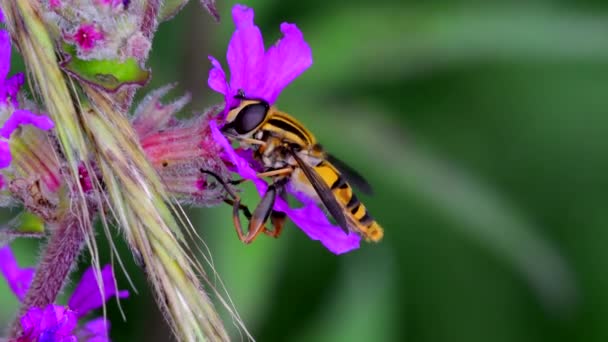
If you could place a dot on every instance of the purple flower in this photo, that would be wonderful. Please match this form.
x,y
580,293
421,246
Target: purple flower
x,y
56,322
86,296
18,278
9,88
260,74
263,74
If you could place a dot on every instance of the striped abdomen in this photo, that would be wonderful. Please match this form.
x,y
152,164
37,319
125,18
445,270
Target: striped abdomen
x,y
355,212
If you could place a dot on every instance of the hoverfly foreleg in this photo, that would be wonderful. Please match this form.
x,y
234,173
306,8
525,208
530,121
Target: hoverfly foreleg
x,y
235,201
277,172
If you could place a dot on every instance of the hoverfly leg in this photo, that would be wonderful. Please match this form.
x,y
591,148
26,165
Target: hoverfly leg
x,y
278,172
235,202
237,181
278,222
236,218
242,207
277,218
260,215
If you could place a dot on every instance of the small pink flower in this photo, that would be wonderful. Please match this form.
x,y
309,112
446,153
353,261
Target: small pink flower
x,y
114,3
54,3
85,179
87,36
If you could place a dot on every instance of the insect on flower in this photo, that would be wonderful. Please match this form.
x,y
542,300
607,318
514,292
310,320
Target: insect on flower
x,y
278,146
289,152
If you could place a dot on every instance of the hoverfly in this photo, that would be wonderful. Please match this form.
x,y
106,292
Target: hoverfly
x,y
289,152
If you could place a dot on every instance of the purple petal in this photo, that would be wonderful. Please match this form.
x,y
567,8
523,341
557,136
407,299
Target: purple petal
x,y
19,279
96,330
260,74
12,87
285,61
5,54
313,221
30,322
217,77
310,218
245,51
217,81
25,117
1,16
241,164
54,323
5,154
86,296
59,319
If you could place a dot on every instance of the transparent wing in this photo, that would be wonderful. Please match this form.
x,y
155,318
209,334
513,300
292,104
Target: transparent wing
x,y
351,176
324,192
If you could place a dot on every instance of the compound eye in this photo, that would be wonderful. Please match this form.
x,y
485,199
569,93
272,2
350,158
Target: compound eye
x,y
250,117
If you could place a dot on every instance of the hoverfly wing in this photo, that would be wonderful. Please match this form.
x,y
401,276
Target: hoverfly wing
x,y
351,176
324,192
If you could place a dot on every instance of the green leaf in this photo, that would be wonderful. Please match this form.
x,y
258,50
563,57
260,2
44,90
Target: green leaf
x,y
25,224
29,223
105,73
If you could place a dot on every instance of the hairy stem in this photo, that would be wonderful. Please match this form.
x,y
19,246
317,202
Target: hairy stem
x,y
59,256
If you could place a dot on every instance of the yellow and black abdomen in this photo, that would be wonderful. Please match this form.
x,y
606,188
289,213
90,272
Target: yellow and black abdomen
x,y
354,210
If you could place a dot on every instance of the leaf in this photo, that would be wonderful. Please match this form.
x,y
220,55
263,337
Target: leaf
x,y
28,223
104,73
25,224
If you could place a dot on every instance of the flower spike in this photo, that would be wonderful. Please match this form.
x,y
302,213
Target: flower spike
x,y
56,322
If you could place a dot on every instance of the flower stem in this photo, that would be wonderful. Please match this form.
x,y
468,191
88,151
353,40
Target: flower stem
x,y
64,246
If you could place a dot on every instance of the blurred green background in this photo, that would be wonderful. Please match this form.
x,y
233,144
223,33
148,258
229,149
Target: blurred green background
x,y
482,127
